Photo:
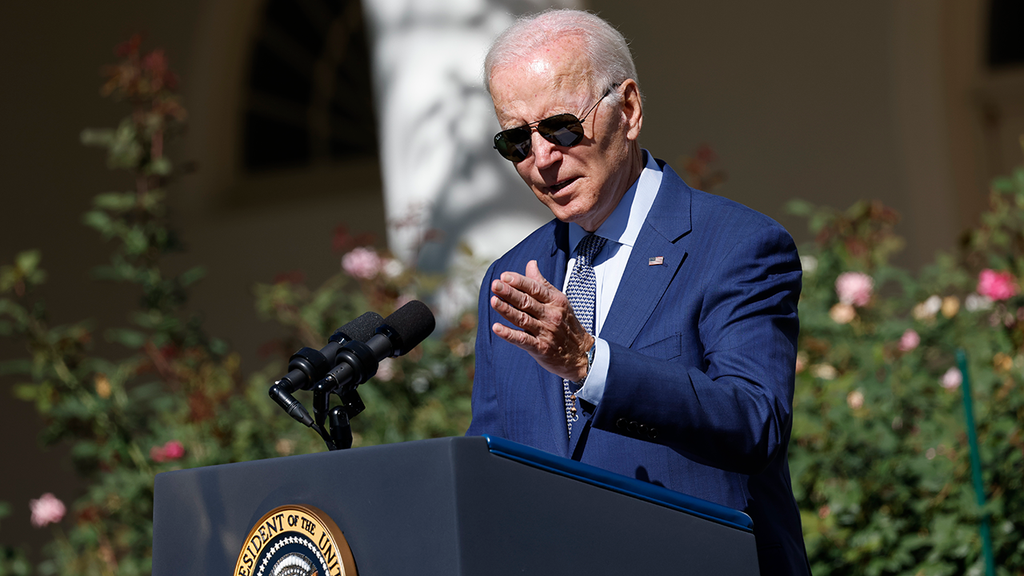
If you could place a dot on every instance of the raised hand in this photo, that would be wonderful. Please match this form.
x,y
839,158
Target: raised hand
x,y
548,329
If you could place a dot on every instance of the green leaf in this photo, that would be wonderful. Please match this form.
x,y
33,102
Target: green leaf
x,y
115,201
135,241
14,310
100,221
126,337
30,392
84,451
799,208
125,150
28,260
218,346
160,166
97,137
191,276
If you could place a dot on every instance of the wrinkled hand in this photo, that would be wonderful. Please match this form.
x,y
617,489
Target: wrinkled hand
x,y
548,329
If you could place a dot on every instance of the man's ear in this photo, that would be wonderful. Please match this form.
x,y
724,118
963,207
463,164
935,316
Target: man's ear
x,y
632,108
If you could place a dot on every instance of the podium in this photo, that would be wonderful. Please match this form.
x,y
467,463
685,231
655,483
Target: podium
x,y
452,507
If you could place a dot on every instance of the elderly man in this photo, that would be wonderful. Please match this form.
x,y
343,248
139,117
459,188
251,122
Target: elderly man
x,y
650,328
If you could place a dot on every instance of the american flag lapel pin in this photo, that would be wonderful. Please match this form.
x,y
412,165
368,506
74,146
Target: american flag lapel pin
x,y
655,260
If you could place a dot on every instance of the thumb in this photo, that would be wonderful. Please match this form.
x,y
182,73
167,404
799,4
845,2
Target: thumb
x,y
533,273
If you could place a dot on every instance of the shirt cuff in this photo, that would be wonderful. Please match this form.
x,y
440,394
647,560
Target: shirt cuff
x,y
593,388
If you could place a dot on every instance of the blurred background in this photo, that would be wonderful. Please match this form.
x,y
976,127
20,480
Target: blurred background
x,y
305,115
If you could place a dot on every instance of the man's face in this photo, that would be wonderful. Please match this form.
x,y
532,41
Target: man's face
x,y
584,183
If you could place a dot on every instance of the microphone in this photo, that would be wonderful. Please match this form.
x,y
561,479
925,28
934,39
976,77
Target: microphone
x,y
307,366
358,361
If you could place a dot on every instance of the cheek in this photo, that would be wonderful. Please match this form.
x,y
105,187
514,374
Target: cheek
x,y
523,169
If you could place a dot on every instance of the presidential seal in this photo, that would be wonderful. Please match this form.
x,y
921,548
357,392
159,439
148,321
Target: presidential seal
x,y
295,540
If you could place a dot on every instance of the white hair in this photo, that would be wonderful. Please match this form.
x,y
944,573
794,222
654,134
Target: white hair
x,y
604,47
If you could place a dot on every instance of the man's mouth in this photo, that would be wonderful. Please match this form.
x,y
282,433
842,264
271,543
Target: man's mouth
x,y
558,187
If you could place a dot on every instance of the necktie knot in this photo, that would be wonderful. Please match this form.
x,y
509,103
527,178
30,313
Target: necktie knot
x,y
588,248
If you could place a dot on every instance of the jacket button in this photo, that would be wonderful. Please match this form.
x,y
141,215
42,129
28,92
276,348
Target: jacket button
x,y
652,433
632,426
620,423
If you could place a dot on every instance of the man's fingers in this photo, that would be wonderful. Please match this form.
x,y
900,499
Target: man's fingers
x,y
509,289
517,337
513,314
532,284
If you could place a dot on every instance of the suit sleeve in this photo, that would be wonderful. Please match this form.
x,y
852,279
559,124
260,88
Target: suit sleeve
x,y
487,417
729,404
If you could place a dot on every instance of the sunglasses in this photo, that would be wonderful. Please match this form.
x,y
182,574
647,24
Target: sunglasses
x,y
561,130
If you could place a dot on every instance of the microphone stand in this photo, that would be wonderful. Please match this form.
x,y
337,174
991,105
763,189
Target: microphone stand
x,y
339,417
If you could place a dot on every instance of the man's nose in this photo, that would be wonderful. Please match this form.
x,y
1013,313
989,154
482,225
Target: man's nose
x,y
544,153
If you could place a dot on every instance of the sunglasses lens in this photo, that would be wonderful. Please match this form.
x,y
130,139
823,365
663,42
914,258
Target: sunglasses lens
x,y
513,144
563,130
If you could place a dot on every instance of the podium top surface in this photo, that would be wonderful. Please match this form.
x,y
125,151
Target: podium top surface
x,y
618,483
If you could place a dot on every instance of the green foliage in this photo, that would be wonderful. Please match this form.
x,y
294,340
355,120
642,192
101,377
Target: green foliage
x,y
173,396
879,457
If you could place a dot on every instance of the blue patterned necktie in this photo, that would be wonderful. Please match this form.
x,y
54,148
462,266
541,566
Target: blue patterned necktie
x,y
582,293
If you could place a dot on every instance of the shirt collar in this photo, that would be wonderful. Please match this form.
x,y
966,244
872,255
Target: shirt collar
x,y
624,224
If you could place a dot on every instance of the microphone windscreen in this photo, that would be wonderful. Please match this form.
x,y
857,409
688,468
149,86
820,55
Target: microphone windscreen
x,y
361,329
412,323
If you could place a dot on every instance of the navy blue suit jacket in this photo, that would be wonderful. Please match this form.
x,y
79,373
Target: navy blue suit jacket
x,y
699,391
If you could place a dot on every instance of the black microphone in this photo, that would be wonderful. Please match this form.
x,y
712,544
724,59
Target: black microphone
x,y
308,365
358,361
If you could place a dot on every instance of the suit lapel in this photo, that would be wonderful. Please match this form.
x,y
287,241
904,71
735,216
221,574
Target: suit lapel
x,y
643,284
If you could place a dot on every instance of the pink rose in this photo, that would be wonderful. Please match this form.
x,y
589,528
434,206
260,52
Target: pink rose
x,y
172,450
996,285
909,340
854,288
952,379
48,509
362,263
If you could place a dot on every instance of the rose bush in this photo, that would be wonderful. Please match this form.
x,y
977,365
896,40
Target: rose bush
x,y
880,458
172,396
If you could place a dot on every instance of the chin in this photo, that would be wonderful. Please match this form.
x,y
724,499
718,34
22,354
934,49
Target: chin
x,y
565,213
571,212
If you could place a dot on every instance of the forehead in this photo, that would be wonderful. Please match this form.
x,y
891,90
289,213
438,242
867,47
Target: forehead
x,y
555,77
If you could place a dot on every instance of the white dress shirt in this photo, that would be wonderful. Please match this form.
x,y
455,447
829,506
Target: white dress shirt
x,y
621,230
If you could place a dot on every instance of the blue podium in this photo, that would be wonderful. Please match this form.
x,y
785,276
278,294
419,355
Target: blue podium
x,y
449,506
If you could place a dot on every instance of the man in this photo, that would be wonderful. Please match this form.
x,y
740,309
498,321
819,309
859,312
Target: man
x,y
692,298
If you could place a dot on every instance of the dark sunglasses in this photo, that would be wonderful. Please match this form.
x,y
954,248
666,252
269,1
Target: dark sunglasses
x,y
561,130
